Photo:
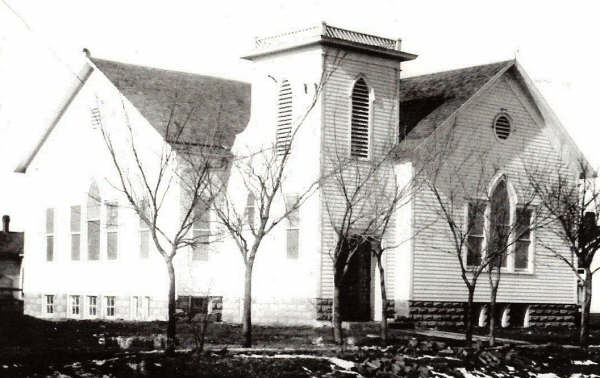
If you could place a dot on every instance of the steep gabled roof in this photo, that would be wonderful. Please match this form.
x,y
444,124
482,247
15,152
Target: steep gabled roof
x,y
218,109
428,100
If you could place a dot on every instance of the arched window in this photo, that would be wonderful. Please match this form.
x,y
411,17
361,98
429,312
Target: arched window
x,y
283,136
93,222
499,224
359,133
502,229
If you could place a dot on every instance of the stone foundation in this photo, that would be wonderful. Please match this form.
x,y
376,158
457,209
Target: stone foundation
x,y
430,314
553,315
436,314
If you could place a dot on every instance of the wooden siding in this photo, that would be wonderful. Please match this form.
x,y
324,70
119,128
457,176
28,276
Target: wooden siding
x,y
436,274
382,78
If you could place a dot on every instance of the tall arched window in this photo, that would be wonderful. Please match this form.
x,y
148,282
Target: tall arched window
x,y
501,227
93,222
499,224
283,136
359,133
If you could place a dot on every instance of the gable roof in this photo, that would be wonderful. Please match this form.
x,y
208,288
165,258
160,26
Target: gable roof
x,y
428,101
217,109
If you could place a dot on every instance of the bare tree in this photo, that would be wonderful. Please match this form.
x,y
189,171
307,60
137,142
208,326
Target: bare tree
x,y
457,178
361,199
151,174
262,172
571,198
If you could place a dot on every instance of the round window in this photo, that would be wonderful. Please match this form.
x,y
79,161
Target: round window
x,y
502,126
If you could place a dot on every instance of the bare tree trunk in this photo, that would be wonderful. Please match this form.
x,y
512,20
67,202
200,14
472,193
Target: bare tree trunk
x,y
585,309
469,318
384,325
494,284
338,335
492,316
171,326
247,310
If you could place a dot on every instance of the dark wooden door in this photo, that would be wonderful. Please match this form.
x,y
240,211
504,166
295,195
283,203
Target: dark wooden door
x,y
355,296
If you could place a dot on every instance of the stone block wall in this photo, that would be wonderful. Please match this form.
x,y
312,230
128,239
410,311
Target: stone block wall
x,y
431,314
436,314
553,315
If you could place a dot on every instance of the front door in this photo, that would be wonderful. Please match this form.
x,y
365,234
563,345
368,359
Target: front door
x,y
355,295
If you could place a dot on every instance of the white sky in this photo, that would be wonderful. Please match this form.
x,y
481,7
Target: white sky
x,y
556,42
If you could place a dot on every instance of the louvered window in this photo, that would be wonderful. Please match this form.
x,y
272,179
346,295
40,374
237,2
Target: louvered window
x,y
283,137
359,139
502,126
96,118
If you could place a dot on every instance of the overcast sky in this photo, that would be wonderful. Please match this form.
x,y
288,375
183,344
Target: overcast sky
x,y
556,42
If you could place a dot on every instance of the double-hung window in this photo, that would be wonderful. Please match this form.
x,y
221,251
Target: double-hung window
x,y
112,230
75,232
93,223
523,238
293,229
49,234
75,305
201,233
475,238
49,304
144,239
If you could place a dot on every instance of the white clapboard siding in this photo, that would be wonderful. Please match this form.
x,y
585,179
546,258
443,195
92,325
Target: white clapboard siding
x,y
381,77
436,274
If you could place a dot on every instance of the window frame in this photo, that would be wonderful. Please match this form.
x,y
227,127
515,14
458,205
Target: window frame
x,y
106,306
74,233
72,304
49,304
88,306
371,92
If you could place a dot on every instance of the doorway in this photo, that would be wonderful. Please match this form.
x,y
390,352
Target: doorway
x,y
356,292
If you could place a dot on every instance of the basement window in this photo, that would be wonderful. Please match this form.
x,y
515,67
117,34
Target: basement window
x,y
502,126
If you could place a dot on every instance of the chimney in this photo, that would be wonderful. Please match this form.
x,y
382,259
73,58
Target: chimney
x,y
5,223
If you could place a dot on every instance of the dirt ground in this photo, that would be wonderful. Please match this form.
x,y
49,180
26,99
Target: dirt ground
x,y
35,347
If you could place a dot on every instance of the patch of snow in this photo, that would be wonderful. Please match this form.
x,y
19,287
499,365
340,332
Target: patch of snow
x,y
347,365
547,375
587,362
99,362
4,366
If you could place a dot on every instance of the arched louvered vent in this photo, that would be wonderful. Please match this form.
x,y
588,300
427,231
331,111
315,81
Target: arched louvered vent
x,y
502,126
96,118
359,139
283,136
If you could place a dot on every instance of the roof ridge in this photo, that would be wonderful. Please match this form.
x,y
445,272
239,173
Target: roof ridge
x,y
499,63
94,59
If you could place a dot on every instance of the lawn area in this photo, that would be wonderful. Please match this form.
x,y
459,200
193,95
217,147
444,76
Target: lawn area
x,y
35,347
